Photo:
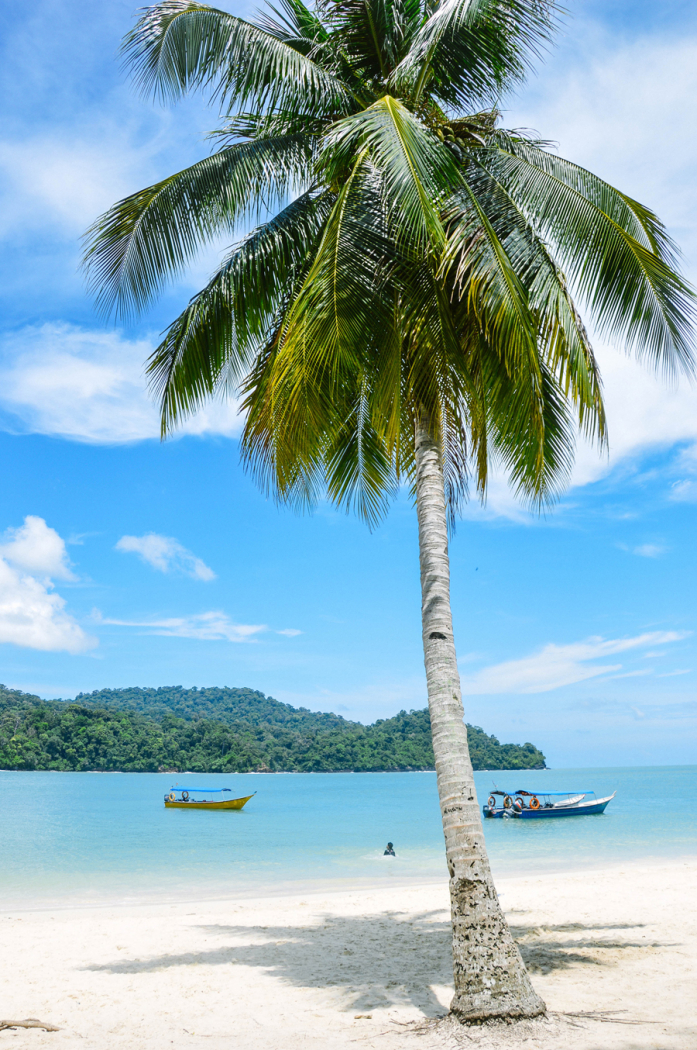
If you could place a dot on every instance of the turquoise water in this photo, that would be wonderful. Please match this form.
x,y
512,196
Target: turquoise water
x,y
97,837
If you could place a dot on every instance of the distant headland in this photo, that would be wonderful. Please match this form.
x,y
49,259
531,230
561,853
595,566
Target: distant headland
x,y
220,730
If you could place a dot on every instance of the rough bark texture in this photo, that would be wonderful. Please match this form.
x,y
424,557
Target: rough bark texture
x,y
490,977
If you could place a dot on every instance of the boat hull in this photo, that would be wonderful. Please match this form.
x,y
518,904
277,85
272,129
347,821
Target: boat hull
x,y
228,803
584,809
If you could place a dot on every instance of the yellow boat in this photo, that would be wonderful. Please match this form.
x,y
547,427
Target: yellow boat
x,y
179,798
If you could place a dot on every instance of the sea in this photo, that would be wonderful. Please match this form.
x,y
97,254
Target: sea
x,y
71,839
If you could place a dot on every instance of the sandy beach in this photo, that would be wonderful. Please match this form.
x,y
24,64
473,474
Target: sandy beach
x,y
613,953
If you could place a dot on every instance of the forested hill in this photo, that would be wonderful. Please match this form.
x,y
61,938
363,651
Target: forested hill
x,y
220,730
231,706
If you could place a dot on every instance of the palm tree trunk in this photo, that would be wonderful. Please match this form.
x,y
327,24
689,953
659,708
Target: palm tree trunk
x,y
490,977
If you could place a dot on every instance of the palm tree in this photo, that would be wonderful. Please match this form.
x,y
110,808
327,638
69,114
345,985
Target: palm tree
x,y
403,311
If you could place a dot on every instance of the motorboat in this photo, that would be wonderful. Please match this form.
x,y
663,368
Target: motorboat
x,y
536,805
181,798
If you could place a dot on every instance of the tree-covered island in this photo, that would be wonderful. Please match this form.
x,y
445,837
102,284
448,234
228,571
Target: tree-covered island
x,y
220,730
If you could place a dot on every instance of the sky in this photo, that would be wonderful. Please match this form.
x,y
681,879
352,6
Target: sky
x,y
125,561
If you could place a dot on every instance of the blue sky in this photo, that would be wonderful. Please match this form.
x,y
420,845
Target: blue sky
x,y
124,561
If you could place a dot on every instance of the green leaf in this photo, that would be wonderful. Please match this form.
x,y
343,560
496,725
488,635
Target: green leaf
x,y
417,170
177,46
147,238
634,295
487,278
469,52
210,347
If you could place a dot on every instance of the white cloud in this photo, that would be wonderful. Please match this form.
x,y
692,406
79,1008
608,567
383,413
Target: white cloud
x,y
37,548
644,550
32,615
207,627
643,411
166,554
89,386
554,666
290,632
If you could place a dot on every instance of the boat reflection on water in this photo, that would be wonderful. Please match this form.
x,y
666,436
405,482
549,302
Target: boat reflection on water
x,y
537,805
180,798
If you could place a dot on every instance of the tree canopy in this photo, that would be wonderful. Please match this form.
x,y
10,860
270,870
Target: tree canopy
x,y
218,730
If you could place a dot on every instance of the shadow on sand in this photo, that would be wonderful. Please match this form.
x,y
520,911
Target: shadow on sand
x,y
544,950
377,961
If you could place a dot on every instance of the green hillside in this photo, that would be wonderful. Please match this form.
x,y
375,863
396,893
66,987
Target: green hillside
x,y
220,730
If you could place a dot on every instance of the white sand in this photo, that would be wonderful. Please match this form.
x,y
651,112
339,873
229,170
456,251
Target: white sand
x,y
343,970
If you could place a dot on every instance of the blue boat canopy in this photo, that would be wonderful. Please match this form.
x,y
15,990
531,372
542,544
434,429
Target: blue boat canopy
x,y
498,791
211,791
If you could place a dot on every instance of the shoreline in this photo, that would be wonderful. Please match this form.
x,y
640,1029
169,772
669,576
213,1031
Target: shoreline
x,y
324,887
336,969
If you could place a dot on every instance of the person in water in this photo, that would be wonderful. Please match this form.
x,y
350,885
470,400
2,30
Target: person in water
x,y
389,852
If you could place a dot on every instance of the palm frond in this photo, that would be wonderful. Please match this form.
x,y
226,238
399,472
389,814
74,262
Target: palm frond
x,y
374,34
488,278
358,466
148,238
560,336
537,461
470,52
178,46
295,24
634,295
635,218
211,345
417,170
339,307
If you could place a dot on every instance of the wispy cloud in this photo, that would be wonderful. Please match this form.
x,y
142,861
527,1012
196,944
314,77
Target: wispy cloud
x,y
649,550
290,632
208,627
644,550
555,666
684,490
46,181
88,386
166,554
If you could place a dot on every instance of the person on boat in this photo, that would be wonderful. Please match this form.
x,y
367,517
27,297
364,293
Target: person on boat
x,y
389,852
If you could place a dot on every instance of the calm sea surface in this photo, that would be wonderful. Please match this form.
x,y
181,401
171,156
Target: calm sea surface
x,y
98,837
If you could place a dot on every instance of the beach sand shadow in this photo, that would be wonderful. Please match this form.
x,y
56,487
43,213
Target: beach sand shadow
x,y
544,951
377,961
